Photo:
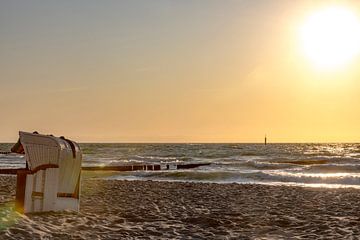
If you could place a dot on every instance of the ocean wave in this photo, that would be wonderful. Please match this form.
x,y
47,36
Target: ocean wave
x,y
334,168
202,176
257,165
284,163
318,178
241,177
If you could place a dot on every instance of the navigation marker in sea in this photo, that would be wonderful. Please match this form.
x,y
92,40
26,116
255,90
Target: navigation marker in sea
x,y
265,140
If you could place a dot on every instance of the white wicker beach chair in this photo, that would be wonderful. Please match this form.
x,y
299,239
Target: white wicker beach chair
x,y
52,182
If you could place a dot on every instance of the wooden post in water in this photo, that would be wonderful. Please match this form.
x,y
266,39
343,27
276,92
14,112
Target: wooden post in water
x,y
265,140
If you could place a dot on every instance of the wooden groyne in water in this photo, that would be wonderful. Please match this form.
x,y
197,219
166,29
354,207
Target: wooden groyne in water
x,y
5,152
124,168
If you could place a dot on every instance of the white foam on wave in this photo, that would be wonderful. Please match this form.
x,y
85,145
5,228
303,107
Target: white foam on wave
x,y
316,175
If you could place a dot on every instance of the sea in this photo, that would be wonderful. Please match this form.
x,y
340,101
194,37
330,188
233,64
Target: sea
x,y
333,165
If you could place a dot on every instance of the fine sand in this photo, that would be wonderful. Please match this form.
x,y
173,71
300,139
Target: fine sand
x,y
112,209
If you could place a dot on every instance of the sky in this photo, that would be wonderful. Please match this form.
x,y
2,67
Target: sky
x,y
170,71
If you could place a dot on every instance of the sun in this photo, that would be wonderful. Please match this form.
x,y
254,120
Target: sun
x,y
331,37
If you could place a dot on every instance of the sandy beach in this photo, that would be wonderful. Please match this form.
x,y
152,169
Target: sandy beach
x,y
113,209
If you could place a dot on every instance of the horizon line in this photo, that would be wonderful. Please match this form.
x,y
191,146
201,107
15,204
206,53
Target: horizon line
x,y
268,143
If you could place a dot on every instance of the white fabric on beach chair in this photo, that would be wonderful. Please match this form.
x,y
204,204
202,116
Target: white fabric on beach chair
x,y
53,179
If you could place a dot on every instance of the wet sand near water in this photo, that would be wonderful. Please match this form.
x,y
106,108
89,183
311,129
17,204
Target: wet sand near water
x,y
113,209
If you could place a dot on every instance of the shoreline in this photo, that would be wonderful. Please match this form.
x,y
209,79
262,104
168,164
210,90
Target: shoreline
x,y
112,209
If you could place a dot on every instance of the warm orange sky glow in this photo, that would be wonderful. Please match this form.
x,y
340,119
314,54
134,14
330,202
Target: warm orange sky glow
x,y
181,71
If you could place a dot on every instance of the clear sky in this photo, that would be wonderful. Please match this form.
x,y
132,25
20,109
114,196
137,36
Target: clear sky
x,y
171,71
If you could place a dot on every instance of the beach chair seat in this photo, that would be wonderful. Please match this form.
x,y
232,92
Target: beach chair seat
x,y
52,182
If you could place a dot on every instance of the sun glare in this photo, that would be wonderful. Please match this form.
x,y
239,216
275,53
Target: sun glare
x,y
331,37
